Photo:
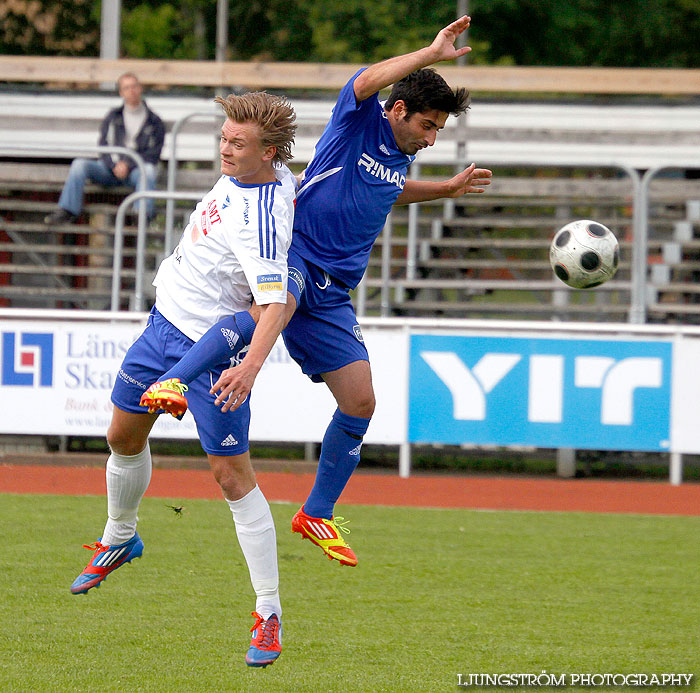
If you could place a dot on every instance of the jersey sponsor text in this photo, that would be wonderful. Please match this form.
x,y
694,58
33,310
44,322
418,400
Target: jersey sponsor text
x,y
270,282
380,171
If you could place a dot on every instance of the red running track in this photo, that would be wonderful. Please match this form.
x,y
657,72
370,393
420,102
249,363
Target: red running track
x,y
494,493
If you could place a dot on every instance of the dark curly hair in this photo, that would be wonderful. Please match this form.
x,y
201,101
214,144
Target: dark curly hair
x,y
424,90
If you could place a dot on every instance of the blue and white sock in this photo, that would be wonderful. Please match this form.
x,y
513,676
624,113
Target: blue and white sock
x,y
340,454
220,343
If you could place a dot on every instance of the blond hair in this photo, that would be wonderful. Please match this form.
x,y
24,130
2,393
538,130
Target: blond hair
x,y
274,116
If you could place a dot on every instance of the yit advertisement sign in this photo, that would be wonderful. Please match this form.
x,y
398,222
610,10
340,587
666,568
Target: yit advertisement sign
x,y
474,388
570,393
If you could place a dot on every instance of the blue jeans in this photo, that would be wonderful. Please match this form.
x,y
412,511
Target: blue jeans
x,y
81,169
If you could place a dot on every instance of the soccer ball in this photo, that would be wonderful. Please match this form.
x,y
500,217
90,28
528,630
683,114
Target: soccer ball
x,y
584,254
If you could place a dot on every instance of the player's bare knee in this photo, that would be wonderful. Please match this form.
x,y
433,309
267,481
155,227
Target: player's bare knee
x,y
362,406
367,408
235,477
123,442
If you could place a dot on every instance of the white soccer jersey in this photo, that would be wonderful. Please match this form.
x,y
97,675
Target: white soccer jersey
x,y
234,249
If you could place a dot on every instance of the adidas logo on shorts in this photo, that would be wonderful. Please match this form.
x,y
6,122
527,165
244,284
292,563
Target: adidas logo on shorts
x,y
229,440
355,451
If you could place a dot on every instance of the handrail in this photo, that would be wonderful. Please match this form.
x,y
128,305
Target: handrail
x,y
172,171
638,292
642,229
140,242
641,184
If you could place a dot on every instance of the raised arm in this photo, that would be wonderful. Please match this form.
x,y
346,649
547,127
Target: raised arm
x,y
383,74
471,180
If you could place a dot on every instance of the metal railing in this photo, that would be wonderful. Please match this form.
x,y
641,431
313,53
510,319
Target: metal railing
x,y
640,188
642,234
639,251
172,170
137,301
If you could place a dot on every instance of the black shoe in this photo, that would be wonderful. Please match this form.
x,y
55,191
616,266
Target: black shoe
x,y
60,216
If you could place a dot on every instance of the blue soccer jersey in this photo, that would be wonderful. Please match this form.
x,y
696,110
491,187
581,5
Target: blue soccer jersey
x,y
349,187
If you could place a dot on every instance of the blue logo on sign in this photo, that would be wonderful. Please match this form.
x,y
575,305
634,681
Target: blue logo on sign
x,y
27,359
603,395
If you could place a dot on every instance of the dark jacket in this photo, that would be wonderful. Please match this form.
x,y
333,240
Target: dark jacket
x,y
149,141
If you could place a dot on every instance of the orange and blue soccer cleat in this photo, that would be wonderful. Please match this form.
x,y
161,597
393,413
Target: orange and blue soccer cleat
x,y
326,534
104,561
266,644
166,395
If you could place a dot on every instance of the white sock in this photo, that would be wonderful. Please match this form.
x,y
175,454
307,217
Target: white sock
x,y
128,477
256,535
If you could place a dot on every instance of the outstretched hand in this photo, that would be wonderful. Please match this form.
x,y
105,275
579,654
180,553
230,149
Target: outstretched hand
x,y
234,385
471,180
443,45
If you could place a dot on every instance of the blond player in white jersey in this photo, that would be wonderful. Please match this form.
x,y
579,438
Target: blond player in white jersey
x,y
233,251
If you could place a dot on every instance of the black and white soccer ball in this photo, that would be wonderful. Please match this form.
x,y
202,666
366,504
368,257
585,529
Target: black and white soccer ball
x,y
584,254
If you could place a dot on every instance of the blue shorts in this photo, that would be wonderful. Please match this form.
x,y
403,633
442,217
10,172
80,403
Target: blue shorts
x,y
160,346
323,334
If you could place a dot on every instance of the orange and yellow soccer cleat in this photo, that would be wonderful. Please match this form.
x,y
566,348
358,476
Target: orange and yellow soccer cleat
x,y
326,534
166,395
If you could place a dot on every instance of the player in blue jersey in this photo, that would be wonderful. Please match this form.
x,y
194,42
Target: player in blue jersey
x,y
357,173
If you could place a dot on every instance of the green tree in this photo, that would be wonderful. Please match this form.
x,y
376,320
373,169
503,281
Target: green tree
x,y
157,32
634,33
29,27
370,30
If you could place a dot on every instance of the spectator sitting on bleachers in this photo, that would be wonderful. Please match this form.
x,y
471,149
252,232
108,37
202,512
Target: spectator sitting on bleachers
x,y
132,125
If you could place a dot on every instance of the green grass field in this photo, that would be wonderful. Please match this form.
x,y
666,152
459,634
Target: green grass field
x,y
437,593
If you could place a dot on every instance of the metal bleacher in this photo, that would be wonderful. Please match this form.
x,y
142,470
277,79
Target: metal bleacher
x,y
478,256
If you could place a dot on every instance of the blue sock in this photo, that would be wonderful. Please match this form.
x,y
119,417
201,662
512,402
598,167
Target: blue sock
x,y
340,454
221,342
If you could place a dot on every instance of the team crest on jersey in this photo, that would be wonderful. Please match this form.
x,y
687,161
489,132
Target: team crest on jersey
x,y
270,282
358,333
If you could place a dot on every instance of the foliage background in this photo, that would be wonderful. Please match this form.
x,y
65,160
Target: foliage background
x,y
634,33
